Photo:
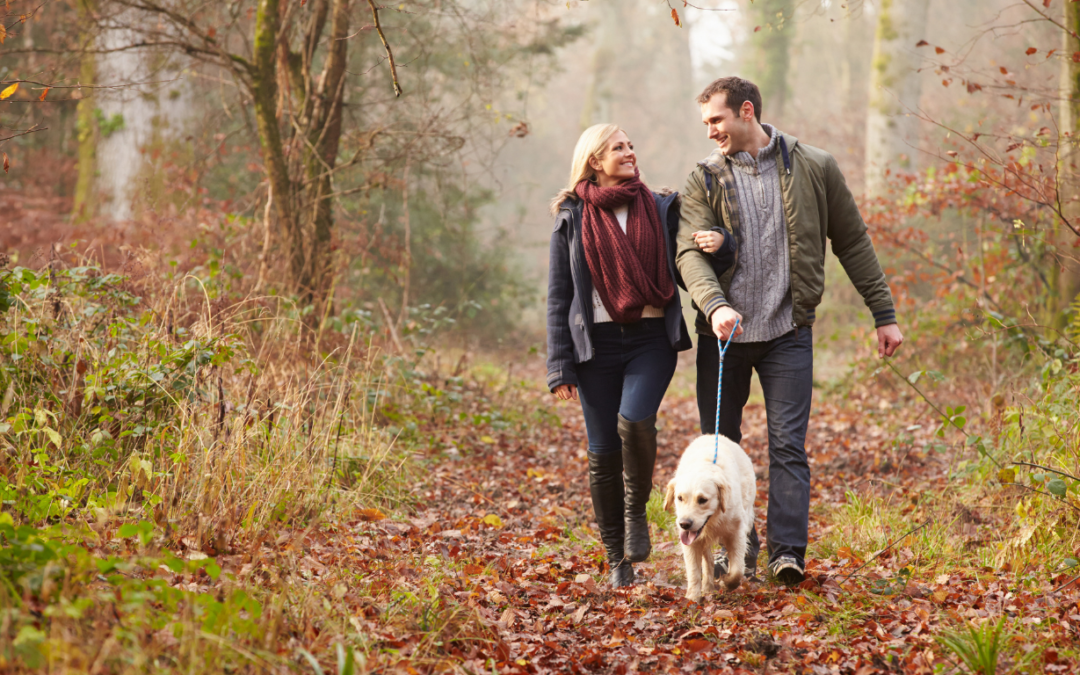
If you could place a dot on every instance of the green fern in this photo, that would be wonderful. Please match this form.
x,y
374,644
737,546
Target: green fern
x,y
977,647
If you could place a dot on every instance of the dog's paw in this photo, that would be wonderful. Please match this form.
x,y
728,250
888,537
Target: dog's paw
x,y
732,582
693,597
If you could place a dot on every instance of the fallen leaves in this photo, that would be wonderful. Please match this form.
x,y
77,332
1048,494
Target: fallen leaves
x,y
370,515
528,583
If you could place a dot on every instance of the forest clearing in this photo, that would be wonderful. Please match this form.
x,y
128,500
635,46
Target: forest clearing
x,y
274,279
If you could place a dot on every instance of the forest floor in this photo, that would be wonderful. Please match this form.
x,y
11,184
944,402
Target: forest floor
x,y
499,569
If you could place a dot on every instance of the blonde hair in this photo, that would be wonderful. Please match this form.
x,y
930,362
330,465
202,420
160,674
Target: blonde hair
x,y
592,143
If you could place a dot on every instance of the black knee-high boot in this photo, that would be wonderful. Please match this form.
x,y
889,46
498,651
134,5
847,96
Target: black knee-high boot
x,y
606,486
638,459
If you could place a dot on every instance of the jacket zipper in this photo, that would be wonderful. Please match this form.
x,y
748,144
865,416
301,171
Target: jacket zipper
x,y
721,196
791,239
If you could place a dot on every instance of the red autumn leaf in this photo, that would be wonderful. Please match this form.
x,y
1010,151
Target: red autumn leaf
x,y
921,43
1030,51
7,164
1046,3
757,28
697,645
675,17
939,50
370,515
43,94
1004,70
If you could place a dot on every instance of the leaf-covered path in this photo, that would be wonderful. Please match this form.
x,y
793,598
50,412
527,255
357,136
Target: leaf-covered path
x,y
500,570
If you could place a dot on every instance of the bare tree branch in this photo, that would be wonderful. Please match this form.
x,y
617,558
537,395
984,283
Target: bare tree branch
x,y
386,45
32,130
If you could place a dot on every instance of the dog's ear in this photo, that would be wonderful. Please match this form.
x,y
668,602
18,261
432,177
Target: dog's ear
x,y
721,495
669,495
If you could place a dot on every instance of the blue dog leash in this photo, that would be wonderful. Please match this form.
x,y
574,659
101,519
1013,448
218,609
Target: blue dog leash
x,y
719,386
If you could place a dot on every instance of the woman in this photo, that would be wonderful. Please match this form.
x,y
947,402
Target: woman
x,y
614,326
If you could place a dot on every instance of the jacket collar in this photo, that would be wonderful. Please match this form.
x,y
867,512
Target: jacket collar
x,y
717,161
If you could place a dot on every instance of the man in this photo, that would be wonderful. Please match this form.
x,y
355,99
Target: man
x,y
779,200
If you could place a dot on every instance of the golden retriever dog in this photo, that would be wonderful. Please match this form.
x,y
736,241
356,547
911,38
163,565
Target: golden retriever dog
x,y
714,504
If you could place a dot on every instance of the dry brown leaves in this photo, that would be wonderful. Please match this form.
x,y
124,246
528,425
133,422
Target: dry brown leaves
x,y
499,568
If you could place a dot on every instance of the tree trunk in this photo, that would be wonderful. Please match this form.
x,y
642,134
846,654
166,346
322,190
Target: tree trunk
x,y
891,128
86,127
769,53
302,206
324,138
264,92
1065,275
610,39
137,112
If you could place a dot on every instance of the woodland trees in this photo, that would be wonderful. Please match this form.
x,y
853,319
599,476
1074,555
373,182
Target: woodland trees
x,y
339,130
768,51
892,126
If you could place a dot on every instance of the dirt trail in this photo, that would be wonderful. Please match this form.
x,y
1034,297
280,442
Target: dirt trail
x,y
510,527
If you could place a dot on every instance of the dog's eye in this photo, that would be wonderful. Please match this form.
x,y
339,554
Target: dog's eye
x,y
702,500
680,498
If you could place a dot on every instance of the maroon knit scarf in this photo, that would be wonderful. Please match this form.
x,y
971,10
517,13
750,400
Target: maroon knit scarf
x,y
629,270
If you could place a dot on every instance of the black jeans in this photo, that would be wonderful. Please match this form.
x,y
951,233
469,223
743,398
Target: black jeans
x,y
785,367
630,370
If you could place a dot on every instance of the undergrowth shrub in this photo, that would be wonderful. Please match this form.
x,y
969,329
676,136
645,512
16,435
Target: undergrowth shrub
x,y
154,424
987,379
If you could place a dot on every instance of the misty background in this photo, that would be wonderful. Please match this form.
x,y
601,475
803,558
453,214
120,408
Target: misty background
x,y
441,196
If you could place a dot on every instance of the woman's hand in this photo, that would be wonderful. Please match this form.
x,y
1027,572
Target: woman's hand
x,y
708,240
566,392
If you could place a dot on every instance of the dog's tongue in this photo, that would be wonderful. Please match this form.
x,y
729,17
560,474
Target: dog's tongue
x,y
687,537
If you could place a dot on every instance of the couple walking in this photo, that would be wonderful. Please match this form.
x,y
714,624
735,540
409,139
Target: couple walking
x,y
747,241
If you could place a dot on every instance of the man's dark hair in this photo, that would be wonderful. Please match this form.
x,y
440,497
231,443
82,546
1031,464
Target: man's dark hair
x,y
736,92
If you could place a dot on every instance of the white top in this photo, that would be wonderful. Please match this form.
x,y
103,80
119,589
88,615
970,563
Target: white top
x,y
600,313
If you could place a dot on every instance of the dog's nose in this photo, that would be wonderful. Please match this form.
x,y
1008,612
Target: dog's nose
x,y
685,524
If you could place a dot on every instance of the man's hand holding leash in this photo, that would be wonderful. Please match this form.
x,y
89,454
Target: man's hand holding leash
x,y
889,338
723,320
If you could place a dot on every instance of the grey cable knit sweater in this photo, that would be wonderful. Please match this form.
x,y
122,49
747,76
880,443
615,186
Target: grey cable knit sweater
x,y
761,285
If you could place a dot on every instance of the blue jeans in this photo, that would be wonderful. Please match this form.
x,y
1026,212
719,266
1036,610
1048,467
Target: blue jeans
x,y
629,372
785,367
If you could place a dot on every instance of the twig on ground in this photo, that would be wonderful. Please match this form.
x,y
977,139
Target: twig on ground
x,y
947,420
1046,468
894,543
390,326
1043,492
1065,585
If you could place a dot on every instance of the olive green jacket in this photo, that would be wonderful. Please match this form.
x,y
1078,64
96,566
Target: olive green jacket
x,y
817,205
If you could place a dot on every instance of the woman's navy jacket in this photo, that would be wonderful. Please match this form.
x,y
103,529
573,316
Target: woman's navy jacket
x,y
570,311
